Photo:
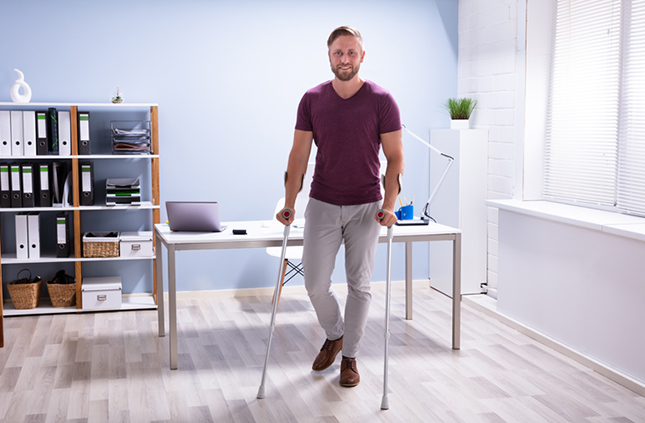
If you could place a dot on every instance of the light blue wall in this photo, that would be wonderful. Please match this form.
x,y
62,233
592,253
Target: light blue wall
x,y
228,77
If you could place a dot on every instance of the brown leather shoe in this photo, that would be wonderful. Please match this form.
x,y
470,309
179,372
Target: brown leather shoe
x,y
349,376
327,354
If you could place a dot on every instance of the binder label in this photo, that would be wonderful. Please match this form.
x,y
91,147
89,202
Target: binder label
x,y
4,178
44,177
84,126
87,178
27,181
42,125
15,177
61,234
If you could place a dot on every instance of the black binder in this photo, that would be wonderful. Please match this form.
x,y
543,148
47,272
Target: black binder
x,y
59,175
16,185
52,121
5,186
84,133
44,183
62,235
87,184
42,143
29,187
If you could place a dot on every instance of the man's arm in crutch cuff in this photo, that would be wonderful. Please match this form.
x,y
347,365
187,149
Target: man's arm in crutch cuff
x,y
296,168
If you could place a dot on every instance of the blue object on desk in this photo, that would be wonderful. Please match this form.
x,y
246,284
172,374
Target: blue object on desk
x,y
405,212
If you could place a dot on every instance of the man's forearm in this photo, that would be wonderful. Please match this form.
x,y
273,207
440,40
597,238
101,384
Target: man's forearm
x,y
394,168
293,180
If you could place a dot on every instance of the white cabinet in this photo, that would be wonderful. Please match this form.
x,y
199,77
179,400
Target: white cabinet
x,y
460,203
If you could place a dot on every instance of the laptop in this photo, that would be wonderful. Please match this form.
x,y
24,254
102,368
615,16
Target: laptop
x,y
194,216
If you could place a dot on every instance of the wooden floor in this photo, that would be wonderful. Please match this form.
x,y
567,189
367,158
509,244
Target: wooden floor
x,y
112,367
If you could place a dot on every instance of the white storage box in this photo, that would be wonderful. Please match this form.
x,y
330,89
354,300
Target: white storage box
x,y
101,293
136,244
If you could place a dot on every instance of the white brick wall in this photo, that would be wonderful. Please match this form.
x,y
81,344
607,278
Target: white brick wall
x,y
487,72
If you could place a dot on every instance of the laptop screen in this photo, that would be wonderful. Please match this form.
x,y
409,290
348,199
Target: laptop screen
x,y
194,216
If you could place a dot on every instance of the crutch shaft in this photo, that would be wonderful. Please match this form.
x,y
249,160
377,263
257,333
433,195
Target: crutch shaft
x,y
287,214
385,403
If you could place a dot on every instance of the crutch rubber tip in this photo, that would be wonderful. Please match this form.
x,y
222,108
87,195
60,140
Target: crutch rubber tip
x,y
261,393
385,403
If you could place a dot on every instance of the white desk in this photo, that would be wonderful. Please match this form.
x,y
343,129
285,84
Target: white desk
x,y
259,236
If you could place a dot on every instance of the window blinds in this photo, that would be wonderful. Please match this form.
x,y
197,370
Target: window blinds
x,y
631,140
595,145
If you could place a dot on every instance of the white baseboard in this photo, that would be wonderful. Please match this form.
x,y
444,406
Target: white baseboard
x,y
488,306
293,289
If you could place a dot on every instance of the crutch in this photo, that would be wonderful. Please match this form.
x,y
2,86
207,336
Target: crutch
x,y
385,404
287,214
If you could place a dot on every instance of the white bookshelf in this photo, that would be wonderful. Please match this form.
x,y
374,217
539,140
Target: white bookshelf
x,y
100,112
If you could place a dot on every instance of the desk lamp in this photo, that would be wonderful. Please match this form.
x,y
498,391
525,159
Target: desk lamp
x,y
425,217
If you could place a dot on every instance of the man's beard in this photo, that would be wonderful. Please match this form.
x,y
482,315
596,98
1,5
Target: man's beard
x,y
345,75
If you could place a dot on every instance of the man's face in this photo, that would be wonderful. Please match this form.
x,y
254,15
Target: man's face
x,y
345,57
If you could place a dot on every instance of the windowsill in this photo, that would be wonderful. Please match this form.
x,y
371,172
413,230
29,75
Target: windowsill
x,y
614,223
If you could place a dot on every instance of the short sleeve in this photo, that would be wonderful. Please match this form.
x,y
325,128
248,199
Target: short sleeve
x,y
389,115
303,119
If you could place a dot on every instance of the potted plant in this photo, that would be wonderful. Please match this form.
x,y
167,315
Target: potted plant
x,y
460,110
117,98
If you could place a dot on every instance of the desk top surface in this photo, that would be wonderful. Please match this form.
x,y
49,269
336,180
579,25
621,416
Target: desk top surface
x,y
270,233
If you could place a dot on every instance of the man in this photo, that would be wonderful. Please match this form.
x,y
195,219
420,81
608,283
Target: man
x,y
350,119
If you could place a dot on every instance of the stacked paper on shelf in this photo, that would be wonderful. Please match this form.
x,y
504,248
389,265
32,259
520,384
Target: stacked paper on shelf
x,y
130,137
123,191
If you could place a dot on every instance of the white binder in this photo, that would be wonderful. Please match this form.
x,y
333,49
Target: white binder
x,y
5,133
33,235
22,250
64,134
17,148
29,132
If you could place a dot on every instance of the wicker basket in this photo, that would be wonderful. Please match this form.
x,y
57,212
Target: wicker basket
x,y
25,292
62,295
101,244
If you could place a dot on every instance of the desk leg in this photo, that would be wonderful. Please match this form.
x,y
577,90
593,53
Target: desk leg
x,y
456,292
172,307
160,299
408,281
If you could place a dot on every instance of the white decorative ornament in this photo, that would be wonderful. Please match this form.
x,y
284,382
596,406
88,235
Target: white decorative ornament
x,y
15,89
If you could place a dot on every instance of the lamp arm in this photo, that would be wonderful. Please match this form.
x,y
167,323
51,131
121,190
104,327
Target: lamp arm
x,y
426,208
422,141
450,159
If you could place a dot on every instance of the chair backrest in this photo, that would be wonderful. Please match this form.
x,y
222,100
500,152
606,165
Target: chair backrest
x,y
303,196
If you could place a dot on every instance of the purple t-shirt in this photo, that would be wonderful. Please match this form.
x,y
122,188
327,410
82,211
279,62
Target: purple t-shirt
x,y
346,132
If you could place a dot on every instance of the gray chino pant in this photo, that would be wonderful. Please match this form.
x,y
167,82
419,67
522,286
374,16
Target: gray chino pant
x,y
327,226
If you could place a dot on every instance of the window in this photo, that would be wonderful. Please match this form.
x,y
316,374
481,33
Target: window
x,y
595,135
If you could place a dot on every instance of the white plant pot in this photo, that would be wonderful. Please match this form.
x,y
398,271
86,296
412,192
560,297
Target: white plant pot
x,y
459,124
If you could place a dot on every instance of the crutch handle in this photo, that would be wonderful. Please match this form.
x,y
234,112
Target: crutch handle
x,y
381,215
287,214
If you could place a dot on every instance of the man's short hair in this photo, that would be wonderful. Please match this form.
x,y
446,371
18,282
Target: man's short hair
x,y
344,30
